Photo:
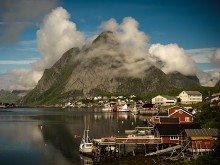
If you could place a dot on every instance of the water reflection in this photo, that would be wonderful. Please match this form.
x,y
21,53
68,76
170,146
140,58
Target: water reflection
x,y
44,136
86,160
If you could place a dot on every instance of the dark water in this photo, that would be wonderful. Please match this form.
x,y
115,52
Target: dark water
x,y
36,136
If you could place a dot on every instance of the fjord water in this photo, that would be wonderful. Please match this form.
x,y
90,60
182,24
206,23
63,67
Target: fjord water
x,y
38,136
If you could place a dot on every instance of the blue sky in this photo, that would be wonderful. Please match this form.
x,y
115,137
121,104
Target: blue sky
x,y
193,25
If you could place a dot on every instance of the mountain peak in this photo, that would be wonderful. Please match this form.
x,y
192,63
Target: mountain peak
x,y
106,37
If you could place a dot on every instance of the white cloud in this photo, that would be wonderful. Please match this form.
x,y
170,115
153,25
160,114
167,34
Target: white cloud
x,y
173,58
6,80
56,36
133,42
20,62
203,55
25,78
209,78
216,57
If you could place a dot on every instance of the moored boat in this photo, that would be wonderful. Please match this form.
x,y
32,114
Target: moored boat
x,y
107,107
86,146
124,108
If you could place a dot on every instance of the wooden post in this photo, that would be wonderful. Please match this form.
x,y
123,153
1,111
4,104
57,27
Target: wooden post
x,y
119,151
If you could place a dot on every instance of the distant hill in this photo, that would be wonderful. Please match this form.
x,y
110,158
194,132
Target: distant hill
x,y
181,81
100,68
8,97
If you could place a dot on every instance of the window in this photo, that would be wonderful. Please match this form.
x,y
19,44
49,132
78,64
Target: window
x,y
186,119
174,138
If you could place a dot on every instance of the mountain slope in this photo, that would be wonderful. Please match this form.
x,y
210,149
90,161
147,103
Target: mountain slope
x,y
217,85
8,97
181,81
53,81
101,67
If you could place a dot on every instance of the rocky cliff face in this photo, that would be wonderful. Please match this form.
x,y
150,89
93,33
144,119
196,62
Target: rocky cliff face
x,y
180,81
102,67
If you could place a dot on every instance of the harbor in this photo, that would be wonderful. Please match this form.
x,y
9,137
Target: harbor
x,y
165,134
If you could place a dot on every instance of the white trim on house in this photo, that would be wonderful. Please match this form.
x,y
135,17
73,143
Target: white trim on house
x,y
164,100
182,111
190,97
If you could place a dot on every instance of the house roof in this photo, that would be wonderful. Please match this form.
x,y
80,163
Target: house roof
x,y
180,109
169,97
174,129
169,120
202,132
162,114
148,105
193,92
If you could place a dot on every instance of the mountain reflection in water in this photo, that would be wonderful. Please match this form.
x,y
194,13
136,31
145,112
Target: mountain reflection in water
x,y
36,136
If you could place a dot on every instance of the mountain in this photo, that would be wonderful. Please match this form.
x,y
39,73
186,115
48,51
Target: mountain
x,y
217,85
102,67
8,97
181,81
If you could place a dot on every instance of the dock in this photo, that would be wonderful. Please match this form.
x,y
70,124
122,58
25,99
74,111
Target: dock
x,y
128,140
120,146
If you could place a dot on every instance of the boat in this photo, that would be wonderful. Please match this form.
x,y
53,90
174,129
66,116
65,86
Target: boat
x,y
124,108
86,145
107,108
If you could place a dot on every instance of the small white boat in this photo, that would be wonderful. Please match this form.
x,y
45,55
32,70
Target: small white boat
x,y
124,108
107,107
86,146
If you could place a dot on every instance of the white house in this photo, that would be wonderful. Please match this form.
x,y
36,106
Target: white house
x,y
190,97
164,100
215,99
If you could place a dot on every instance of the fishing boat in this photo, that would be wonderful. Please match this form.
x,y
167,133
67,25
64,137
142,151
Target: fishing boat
x,y
86,145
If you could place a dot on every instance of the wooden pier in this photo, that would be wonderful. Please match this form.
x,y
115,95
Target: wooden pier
x,y
128,140
120,146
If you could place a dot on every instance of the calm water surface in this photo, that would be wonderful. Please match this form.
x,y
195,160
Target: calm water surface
x,y
36,136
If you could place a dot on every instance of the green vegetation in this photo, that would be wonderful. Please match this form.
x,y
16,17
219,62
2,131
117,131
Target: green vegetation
x,y
54,94
208,117
8,97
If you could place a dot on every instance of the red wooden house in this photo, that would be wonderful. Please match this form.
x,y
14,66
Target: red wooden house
x,y
170,133
200,140
174,115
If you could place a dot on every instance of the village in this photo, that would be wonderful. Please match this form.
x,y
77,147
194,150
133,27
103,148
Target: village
x,y
170,130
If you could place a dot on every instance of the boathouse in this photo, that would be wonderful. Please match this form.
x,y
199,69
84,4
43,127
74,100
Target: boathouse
x,y
200,140
170,133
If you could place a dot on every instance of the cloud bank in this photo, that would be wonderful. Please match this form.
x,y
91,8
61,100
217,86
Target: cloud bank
x,y
173,59
19,15
58,34
133,45
216,57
